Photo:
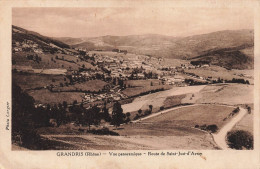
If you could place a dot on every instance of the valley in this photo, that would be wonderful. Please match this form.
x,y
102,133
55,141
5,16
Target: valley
x,y
130,92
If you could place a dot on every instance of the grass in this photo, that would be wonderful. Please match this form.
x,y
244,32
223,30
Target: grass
x,y
31,81
138,90
179,121
231,94
142,83
92,85
200,114
173,100
218,72
47,63
47,144
44,96
246,123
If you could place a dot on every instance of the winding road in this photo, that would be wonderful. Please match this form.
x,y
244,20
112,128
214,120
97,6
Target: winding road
x,y
220,137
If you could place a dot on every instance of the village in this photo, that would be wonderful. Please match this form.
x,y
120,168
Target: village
x,y
115,67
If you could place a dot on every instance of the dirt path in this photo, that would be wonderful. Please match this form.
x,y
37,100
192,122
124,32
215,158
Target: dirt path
x,y
220,137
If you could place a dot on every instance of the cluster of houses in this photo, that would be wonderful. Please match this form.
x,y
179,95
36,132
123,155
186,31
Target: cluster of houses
x,y
119,66
112,95
26,45
119,51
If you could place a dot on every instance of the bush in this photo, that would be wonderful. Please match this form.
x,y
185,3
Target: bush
x,y
147,112
162,108
213,128
104,131
136,117
240,139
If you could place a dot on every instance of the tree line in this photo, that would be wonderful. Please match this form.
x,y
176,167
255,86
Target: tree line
x,y
26,117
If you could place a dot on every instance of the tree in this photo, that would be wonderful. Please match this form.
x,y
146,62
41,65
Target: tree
x,y
128,114
162,108
106,114
127,117
92,116
75,102
151,107
240,139
117,115
22,123
140,111
65,105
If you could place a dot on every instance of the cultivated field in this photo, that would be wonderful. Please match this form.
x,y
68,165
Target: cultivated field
x,y
93,142
91,85
157,99
142,83
44,96
231,94
49,61
171,130
222,73
246,123
135,91
31,81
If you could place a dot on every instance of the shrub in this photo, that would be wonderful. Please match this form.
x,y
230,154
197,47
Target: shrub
x,y
197,126
140,111
147,112
127,120
203,127
136,117
104,131
213,128
240,139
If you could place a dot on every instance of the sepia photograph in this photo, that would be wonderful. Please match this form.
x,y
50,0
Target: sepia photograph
x,y
128,78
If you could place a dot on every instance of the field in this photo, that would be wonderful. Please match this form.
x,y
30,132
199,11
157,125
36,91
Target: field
x,y
176,122
91,85
90,142
138,90
31,81
167,131
246,123
158,99
49,61
222,73
170,130
44,96
231,94
173,100
142,83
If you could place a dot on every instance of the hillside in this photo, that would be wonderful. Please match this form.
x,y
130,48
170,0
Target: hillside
x,y
231,58
20,34
35,52
228,48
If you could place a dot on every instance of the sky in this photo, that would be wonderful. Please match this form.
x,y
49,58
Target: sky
x,y
93,22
